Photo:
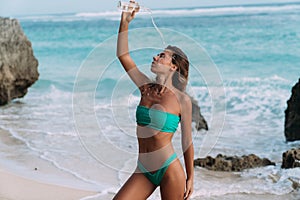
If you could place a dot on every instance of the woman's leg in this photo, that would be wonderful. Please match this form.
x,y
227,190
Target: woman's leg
x,y
173,183
137,187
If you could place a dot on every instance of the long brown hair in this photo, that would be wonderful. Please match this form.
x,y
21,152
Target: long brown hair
x,y
180,60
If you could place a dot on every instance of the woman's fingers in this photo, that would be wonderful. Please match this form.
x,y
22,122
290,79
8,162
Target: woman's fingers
x,y
133,14
189,190
128,16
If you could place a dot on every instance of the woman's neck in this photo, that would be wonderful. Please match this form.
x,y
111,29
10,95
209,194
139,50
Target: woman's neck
x,y
165,82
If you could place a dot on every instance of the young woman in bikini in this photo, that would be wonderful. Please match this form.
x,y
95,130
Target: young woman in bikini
x,y
163,105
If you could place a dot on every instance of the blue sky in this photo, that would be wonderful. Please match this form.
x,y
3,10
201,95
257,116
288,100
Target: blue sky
x,y
28,7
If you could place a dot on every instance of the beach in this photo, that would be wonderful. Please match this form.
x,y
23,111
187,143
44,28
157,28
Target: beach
x,y
13,187
73,135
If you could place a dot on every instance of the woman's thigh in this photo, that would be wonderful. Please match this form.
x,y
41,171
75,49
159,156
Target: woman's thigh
x,y
173,183
137,187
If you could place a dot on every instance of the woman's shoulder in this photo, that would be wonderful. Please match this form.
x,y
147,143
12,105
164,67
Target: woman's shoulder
x,y
183,97
184,100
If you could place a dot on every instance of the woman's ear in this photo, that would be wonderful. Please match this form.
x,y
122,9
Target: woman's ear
x,y
173,67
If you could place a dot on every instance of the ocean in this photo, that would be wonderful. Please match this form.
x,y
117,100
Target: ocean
x,y
76,125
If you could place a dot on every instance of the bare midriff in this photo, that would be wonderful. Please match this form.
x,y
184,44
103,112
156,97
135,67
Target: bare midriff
x,y
155,147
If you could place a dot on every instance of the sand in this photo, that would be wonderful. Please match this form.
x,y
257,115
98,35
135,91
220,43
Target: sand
x,y
13,187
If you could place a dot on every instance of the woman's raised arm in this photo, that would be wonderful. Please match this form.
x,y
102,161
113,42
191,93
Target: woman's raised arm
x,y
127,62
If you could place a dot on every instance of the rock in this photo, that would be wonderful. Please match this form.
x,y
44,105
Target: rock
x,y
274,177
292,115
291,159
295,183
232,163
197,117
18,66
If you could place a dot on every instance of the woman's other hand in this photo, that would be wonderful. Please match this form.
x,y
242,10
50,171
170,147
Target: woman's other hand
x,y
189,189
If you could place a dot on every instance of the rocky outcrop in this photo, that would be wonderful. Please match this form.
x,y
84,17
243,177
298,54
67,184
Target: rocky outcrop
x,y
232,163
292,115
197,117
291,159
18,66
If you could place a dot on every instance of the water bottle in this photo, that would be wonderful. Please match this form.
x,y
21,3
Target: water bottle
x,y
130,6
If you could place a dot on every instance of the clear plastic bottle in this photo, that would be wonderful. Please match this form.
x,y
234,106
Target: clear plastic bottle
x,y
130,6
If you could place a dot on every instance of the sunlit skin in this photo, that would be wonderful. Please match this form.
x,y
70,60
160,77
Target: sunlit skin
x,y
155,147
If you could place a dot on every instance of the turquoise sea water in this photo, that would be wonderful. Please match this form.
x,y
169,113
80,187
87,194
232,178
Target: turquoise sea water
x,y
255,51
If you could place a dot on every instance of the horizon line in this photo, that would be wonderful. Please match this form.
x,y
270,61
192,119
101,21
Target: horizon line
x,y
157,9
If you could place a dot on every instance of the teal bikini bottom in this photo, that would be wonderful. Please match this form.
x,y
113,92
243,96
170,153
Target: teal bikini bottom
x,y
156,177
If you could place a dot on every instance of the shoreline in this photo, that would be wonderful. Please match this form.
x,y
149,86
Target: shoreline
x,y
14,187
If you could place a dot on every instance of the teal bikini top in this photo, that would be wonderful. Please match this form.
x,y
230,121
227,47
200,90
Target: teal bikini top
x,y
157,119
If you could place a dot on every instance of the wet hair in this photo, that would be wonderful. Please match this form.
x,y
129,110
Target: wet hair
x,y
180,60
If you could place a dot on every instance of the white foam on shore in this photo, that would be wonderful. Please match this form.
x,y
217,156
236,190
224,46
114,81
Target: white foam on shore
x,y
269,180
36,161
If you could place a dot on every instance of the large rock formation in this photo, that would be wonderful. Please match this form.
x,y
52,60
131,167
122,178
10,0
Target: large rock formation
x,y
291,159
18,66
197,117
232,163
292,115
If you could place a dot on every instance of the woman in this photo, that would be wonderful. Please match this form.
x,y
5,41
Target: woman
x,y
163,105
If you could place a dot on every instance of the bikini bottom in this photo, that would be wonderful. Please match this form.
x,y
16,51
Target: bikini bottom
x,y
157,176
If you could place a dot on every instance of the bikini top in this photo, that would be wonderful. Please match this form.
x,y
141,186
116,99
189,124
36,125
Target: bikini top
x,y
157,119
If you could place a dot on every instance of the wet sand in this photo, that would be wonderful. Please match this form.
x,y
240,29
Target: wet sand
x,y
13,187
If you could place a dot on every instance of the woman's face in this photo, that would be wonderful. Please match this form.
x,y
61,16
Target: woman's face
x,y
162,63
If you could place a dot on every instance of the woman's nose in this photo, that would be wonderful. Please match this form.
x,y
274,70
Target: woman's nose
x,y
155,58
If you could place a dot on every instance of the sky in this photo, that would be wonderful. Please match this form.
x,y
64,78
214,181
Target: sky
x,y
10,8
